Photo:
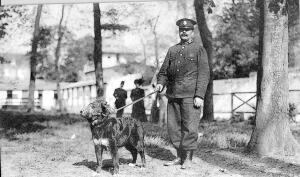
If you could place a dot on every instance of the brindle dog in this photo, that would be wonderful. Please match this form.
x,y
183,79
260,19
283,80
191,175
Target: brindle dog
x,y
110,133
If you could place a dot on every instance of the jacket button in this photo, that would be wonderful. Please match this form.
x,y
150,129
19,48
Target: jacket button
x,y
181,54
177,69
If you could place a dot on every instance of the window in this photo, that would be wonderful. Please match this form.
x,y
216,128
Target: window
x,y
40,94
55,95
9,94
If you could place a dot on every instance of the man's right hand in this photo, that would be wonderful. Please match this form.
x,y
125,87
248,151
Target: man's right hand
x,y
159,87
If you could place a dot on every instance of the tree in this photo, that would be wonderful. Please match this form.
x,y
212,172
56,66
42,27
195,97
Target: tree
x,y
294,28
33,58
57,57
98,51
206,36
236,41
272,135
153,24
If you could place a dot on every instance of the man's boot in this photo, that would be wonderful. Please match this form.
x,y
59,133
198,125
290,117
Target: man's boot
x,y
187,161
177,161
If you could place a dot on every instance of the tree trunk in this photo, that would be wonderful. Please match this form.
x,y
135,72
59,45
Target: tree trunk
x,y
144,50
294,29
156,49
156,42
98,51
271,135
206,36
57,56
34,46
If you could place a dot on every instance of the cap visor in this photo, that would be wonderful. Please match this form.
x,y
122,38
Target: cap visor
x,y
190,28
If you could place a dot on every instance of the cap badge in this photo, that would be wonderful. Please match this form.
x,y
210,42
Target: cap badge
x,y
184,23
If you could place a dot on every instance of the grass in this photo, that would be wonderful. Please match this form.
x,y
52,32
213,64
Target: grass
x,y
215,135
41,144
24,126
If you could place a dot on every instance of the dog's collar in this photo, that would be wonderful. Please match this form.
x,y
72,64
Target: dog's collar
x,y
98,122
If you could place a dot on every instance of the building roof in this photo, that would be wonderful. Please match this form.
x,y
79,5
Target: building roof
x,y
24,85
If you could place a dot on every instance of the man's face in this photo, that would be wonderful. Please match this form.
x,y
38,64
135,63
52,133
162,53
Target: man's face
x,y
186,34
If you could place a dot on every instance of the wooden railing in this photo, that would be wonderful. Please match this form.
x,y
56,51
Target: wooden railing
x,y
236,95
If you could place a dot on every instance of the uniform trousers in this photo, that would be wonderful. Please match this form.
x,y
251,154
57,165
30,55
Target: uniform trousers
x,y
183,121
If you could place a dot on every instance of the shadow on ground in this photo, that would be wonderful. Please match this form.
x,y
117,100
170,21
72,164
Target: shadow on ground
x,y
159,153
107,164
237,161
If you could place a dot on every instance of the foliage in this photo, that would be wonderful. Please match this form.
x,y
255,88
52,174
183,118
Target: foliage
x,y
236,41
4,60
113,24
14,123
146,71
8,12
45,59
275,6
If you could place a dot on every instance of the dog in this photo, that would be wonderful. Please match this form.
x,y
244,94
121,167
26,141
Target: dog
x,y
110,133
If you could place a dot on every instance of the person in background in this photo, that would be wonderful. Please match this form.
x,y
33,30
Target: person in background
x,y
121,95
138,109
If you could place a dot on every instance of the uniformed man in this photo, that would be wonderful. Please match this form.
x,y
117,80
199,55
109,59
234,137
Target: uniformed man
x,y
185,73
121,95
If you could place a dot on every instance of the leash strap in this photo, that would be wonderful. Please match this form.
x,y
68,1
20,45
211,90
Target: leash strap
x,y
140,99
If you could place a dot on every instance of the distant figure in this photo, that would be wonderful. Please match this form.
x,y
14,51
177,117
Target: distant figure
x,y
121,95
138,109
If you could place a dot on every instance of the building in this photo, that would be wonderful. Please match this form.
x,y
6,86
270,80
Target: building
x,y
15,73
14,84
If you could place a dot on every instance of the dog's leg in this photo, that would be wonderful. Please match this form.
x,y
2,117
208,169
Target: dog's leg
x,y
99,153
141,145
115,157
142,154
133,152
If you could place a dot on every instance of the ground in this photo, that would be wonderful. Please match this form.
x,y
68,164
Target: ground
x,y
64,148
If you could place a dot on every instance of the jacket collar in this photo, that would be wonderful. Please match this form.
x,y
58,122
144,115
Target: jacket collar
x,y
186,43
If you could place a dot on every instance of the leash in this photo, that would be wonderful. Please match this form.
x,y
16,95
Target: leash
x,y
140,99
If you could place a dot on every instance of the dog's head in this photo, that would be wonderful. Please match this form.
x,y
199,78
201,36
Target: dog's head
x,y
97,110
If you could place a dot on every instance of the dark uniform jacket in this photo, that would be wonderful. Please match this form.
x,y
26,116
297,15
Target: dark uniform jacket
x,y
138,109
185,71
120,95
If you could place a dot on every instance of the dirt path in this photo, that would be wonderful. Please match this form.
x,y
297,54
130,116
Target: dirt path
x,y
67,151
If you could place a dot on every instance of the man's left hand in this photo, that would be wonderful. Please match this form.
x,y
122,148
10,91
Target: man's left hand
x,y
198,102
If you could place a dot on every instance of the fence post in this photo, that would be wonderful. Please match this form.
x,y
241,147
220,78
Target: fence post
x,y
232,94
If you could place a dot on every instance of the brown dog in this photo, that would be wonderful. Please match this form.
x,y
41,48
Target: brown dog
x,y
111,133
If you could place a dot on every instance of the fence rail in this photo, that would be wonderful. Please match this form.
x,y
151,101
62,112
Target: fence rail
x,y
17,102
237,96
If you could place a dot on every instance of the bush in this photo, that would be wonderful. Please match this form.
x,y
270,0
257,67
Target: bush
x,y
14,123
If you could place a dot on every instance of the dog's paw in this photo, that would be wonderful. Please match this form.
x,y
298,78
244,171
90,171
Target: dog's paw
x,y
132,164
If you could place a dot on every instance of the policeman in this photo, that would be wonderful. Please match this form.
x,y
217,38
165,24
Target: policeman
x,y
121,95
185,73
